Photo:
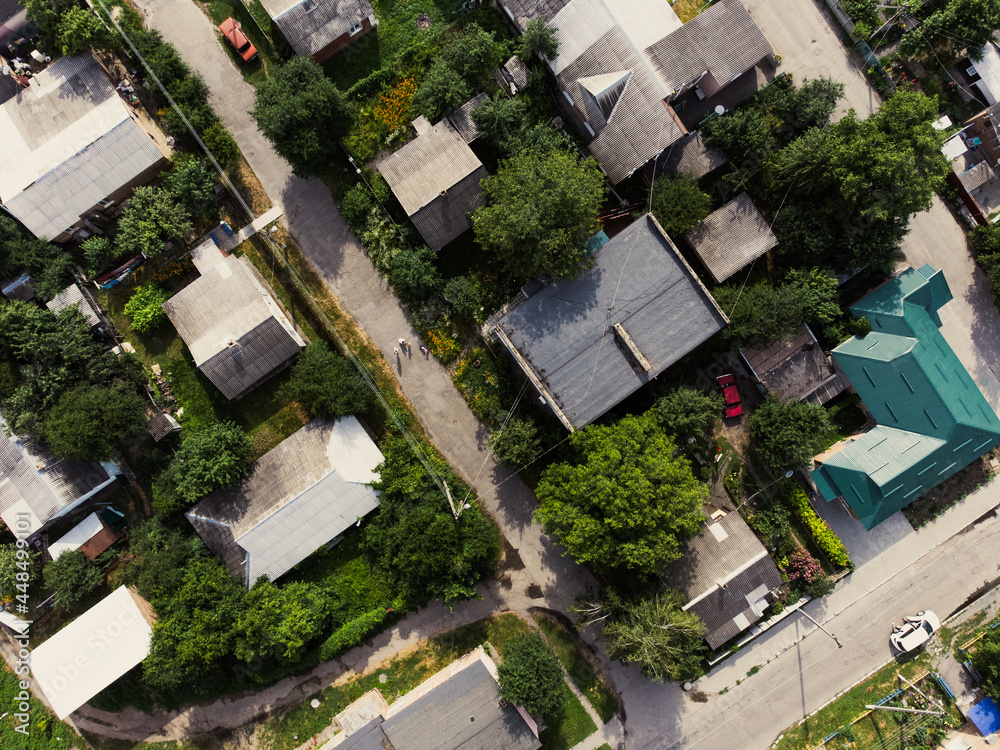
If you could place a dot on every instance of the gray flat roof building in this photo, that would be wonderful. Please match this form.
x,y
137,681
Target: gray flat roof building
x,y
436,179
587,343
728,578
731,237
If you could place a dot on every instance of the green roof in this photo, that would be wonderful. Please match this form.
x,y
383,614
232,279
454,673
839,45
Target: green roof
x,y
932,419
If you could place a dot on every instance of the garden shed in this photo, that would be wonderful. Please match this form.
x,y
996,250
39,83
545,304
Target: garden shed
x,y
731,237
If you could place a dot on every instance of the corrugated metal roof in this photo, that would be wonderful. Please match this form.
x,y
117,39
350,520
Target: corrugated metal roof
x,y
988,67
71,296
690,155
9,9
796,369
310,25
564,332
299,496
976,177
236,331
69,142
461,118
76,537
116,615
436,179
731,237
933,420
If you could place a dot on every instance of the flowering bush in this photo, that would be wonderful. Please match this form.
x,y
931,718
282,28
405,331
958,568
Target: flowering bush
x,y
822,534
393,109
803,568
442,344
174,270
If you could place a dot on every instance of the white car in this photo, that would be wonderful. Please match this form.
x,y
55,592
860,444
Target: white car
x,y
914,632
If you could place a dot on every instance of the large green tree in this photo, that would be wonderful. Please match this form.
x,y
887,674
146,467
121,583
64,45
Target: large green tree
x,y
474,54
211,459
50,268
280,621
625,503
955,25
540,210
71,577
89,421
304,115
504,125
530,676
152,217
687,412
327,384
678,203
986,660
192,184
788,433
441,91
538,39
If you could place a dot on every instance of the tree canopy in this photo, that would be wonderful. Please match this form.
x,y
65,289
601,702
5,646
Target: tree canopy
x,y
687,412
530,676
192,184
516,443
145,309
71,577
625,503
50,268
211,459
442,91
303,114
955,24
679,204
326,384
788,433
89,421
538,39
152,217
504,124
986,660
474,54
541,208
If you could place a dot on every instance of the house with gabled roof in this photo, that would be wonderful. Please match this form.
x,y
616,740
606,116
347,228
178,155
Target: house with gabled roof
x,y
728,576
731,237
321,28
36,486
237,332
932,420
72,148
588,342
436,179
795,368
635,79
311,487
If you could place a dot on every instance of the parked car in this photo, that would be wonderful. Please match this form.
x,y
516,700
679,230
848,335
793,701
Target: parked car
x,y
727,383
241,43
914,632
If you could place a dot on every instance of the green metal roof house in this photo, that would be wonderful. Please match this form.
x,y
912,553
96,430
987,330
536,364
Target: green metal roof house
x,y
931,418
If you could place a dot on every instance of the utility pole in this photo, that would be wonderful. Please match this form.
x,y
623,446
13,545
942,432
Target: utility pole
x,y
839,644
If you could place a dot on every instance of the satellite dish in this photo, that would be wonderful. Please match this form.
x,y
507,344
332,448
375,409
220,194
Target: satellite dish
x,y
720,110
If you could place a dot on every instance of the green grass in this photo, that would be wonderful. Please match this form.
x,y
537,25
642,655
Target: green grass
x,y
851,705
256,71
579,668
45,732
571,726
605,746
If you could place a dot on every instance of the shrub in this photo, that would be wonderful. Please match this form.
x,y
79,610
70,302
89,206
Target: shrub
x,y
821,532
351,633
530,676
71,577
687,412
96,252
355,206
327,384
770,524
144,308
803,568
517,443
464,296
414,274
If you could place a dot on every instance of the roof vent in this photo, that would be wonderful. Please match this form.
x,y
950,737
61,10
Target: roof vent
x,y
40,466
444,193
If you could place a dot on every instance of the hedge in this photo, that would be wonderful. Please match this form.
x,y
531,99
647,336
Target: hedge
x,y
351,633
371,84
821,532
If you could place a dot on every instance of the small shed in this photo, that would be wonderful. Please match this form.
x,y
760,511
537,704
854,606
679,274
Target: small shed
x,y
731,237
161,425
461,118
796,369
436,179
689,155
93,535
71,296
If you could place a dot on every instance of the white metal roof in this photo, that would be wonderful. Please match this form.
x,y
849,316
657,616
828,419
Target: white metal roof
x,y
78,536
988,67
954,147
91,652
13,622
71,296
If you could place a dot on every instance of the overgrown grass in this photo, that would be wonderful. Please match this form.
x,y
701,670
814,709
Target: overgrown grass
x,y
256,71
571,726
688,9
575,662
45,732
851,705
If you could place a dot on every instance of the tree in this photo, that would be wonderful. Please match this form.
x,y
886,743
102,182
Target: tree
x,y
658,635
762,313
442,90
326,384
192,185
50,268
8,572
986,660
304,115
152,217
464,295
500,122
788,433
957,24
538,39
541,208
687,412
474,54
625,502
414,274
414,537
679,204
97,251
211,459
516,443
530,676
158,555
48,15
71,577
80,29
280,621
145,309
89,421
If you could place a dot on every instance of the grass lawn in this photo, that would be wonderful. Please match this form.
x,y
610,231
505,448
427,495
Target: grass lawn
x,y
851,705
688,9
256,71
570,727
579,668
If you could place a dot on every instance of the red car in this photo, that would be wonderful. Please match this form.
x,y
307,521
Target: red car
x,y
728,385
232,31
